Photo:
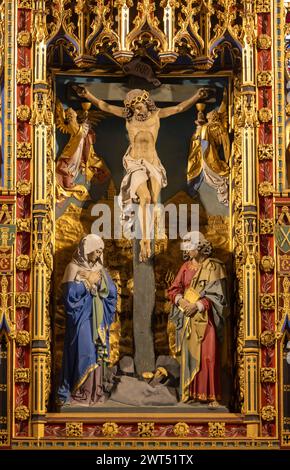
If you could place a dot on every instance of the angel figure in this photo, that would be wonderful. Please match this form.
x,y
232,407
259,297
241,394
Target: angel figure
x,y
145,174
78,154
210,152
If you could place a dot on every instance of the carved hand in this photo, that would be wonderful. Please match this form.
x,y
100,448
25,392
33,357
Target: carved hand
x,y
201,94
82,91
190,310
93,277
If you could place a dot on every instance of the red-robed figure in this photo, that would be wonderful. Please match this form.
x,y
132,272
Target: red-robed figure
x,y
200,307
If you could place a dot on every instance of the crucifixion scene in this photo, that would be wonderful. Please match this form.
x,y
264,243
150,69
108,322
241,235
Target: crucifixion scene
x,y
144,224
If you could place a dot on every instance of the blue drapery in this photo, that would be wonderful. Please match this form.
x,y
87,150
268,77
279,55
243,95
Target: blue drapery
x,y
80,352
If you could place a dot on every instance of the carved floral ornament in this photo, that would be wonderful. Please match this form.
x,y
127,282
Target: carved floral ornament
x,y
23,112
24,38
23,187
267,264
24,150
22,375
268,413
24,76
268,375
264,41
22,338
110,429
265,114
264,78
181,429
216,430
266,189
23,262
22,413
265,151
268,338
74,429
145,429
267,301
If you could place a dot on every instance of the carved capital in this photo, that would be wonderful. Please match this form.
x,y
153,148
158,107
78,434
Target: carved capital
x,y
74,429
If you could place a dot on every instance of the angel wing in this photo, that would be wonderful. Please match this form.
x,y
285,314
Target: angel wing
x,y
93,116
60,117
223,111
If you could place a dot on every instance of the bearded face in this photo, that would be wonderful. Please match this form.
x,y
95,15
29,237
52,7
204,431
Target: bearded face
x,y
141,112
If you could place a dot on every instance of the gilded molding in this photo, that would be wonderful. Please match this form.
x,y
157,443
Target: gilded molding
x,y
268,413
23,262
264,41
145,429
23,225
266,226
265,114
181,429
216,429
23,187
24,38
23,299
265,152
266,189
24,150
74,429
24,76
22,413
263,6
268,338
22,375
264,78
22,338
110,429
267,301
267,264
268,375
23,112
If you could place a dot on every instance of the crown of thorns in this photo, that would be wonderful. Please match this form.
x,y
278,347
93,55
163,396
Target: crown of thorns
x,y
138,99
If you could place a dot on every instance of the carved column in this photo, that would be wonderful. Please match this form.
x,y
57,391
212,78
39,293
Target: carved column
x,y
39,121
250,271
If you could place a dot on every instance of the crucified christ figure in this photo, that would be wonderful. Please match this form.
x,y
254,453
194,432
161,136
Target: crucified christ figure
x,y
145,174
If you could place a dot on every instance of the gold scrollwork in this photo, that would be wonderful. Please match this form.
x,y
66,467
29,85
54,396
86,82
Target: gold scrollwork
x,y
3,438
23,225
268,374
23,76
181,429
74,429
22,338
23,262
267,264
145,429
265,114
24,150
22,375
264,41
23,112
22,413
266,189
23,300
268,338
266,226
110,429
264,78
268,413
216,429
265,152
24,38
263,6
23,187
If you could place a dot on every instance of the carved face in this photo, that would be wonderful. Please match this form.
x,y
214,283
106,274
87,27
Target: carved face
x,y
95,256
140,111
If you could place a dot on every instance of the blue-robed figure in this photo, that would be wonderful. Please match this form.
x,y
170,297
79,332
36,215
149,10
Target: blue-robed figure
x,y
90,297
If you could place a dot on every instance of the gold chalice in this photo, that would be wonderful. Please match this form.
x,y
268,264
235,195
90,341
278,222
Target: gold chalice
x,y
86,106
200,115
